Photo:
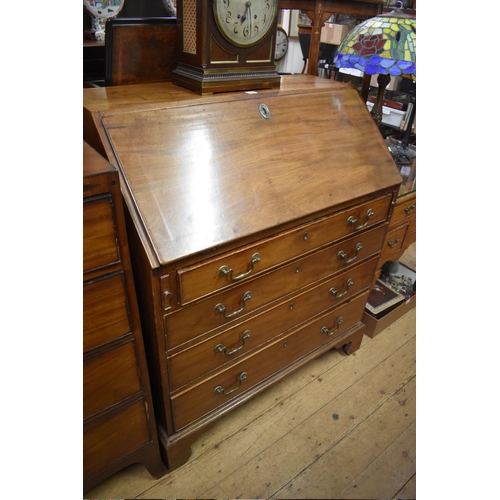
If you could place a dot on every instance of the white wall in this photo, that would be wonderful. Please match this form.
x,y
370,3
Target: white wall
x,y
292,62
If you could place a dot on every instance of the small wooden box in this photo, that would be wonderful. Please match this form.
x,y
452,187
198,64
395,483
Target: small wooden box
x,y
375,323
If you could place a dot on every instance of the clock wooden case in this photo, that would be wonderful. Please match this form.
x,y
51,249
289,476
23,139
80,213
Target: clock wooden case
x,y
226,45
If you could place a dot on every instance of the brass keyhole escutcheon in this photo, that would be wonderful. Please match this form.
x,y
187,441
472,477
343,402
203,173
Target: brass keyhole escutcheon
x,y
264,111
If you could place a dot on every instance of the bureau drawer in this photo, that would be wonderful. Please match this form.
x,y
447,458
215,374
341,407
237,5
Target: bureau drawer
x,y
224,386
394,240
109,377
202,279
105,311
212,353
227,306
100,241
404,210
114,436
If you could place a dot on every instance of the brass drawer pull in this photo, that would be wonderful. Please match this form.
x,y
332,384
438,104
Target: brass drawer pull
x,y
352,221
220,390
225,270
343,256
410,209
222,347
393,243
327,330
336,294
221,308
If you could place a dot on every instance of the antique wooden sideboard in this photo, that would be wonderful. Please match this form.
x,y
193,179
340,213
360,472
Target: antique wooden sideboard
x,y
256,222
118,418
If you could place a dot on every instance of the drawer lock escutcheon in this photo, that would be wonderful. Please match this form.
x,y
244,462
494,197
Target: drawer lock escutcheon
x,y
393,243
220,390
343,256
353,222
264,111
327,331
336,294
223,348
225,270
410,209
221,308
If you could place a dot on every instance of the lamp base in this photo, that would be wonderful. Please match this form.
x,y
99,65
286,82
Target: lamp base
x,y
376,112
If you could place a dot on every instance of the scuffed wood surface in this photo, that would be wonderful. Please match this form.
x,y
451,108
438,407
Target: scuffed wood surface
x,y
207,173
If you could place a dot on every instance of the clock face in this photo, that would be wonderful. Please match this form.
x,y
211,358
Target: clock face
x,y
245,22
281,44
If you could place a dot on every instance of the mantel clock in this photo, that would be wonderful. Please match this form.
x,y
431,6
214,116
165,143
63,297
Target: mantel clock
x,y
226,45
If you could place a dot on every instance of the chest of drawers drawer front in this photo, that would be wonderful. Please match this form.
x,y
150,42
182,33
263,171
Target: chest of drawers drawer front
x,y
100,248
412,225
103,439
223,387
200,280
227,306
394,240
109,378
404,210
105,311
240,340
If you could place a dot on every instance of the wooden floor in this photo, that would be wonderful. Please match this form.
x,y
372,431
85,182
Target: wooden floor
x,y
340,427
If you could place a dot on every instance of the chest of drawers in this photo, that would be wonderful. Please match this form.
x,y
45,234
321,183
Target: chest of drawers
x,y
256,223
118,417
402,228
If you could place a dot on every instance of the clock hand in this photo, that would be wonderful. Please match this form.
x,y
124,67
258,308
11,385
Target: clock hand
x,y
244,16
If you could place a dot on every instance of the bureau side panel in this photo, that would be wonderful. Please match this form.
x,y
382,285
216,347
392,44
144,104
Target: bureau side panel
x,y
147,281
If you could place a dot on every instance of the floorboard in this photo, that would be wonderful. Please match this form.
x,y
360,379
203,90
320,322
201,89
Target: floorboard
x,y
350,456
389,472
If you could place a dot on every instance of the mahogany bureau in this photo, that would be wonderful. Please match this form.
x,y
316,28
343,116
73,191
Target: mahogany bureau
x,y
118,417
256,222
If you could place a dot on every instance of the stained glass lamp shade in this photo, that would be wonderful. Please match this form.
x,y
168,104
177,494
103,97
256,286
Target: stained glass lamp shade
x,y
385,45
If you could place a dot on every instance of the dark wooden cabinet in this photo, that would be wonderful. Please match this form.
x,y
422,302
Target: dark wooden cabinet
x,y
118,417
256,222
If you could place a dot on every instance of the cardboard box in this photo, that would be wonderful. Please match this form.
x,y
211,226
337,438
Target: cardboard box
x,y
335,33
390,116
375,323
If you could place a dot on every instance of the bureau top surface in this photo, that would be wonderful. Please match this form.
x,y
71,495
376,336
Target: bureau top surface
x,y
202,171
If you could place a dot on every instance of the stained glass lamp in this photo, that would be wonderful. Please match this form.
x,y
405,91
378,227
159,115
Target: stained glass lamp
x,y
385,45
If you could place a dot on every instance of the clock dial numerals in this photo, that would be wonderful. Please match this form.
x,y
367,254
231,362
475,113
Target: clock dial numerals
x,y
245,22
